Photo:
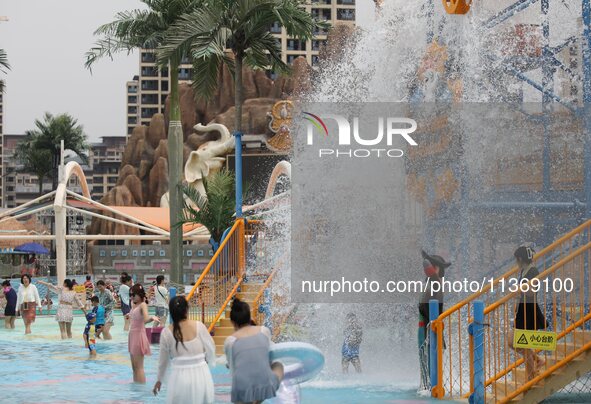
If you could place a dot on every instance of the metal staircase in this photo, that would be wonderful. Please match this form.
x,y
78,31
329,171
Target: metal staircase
x,y
567,312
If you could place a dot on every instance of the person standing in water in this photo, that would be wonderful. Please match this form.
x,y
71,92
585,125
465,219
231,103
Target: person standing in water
x,y
124,297
161,300
27,301
65,309
10,309
138,343
188,345
528,315
350,351
106,300
434,267
254,378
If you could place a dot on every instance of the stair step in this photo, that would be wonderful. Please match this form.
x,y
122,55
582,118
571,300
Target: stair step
x,y
581,337
225,322
219,339
225,331
503,389
247,297
251,287
219,350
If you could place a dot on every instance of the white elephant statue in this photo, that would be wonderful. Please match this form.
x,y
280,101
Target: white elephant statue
x,y
207,159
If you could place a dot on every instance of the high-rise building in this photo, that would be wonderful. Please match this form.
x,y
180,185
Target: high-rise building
x,y
332,11
104,161
152,87
147,92
132,104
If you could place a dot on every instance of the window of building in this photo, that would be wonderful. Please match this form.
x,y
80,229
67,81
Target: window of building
x,y
148,57
112,180
346,2
98,190
164,85
131,120
346,14
132,99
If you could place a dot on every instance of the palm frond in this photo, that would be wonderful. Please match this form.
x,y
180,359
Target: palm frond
x,y
216,211
4,65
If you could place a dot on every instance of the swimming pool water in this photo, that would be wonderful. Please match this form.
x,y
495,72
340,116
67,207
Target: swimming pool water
x,y
42,368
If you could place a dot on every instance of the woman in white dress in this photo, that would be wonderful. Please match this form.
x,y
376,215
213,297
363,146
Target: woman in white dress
x,y
27,301
189,347
65,309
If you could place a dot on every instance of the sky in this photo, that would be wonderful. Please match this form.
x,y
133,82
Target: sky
x,y
46,41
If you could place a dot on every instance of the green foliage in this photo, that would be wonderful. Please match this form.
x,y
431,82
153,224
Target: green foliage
x,y
50,131
240,26
34,160
215,210
4,67
139,29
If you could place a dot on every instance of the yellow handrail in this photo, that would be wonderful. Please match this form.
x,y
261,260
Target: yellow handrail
x,y
544,274
513,270
237,224
223,308
561,255
265,285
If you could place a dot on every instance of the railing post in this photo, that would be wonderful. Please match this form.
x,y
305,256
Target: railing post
x,y
433,314
242,248
171,294
238,172
476,330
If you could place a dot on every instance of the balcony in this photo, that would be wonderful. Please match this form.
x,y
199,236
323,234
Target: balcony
x,y
275,28
132,99
346,15
150,99
321,2
148,57
132,89
185,74
150,85
346,2
147,113
294,45
149,72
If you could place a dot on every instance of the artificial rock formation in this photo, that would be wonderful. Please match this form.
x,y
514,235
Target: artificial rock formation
x,y
144,167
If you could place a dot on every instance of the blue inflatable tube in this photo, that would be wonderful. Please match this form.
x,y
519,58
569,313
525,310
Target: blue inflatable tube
x,y
301,361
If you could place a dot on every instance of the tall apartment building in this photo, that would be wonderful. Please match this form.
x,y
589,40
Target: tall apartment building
x,y
104,161
147,92
132,104
332,11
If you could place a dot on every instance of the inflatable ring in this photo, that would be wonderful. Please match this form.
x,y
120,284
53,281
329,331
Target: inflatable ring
x,y
457,6
301,361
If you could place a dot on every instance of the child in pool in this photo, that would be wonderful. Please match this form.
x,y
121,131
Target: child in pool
x,y
89,334
353,337
99,311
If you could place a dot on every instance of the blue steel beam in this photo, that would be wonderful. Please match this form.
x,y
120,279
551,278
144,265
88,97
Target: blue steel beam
x,y
508,13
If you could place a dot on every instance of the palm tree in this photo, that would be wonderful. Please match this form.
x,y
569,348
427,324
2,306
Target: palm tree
x,y
145,29
215,209
241,27
4,67
34,160
48,136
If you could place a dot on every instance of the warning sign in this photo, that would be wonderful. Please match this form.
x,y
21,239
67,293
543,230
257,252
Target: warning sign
x,y
531,339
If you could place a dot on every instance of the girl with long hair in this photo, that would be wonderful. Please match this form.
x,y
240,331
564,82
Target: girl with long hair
x,y
188,346
254,378
139,346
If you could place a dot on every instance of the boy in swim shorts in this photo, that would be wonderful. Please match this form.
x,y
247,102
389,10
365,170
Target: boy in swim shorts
x,y
350,351
89,334
99,312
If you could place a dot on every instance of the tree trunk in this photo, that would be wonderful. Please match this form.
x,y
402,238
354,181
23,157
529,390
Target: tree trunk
x,y
55,164
40,177
175,167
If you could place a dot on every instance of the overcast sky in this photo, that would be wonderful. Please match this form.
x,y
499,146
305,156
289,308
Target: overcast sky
x,y
46,40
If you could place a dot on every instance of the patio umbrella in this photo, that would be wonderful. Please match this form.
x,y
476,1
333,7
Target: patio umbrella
x,y
32,248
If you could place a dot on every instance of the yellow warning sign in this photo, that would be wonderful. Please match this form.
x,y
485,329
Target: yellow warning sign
x,y
531,339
